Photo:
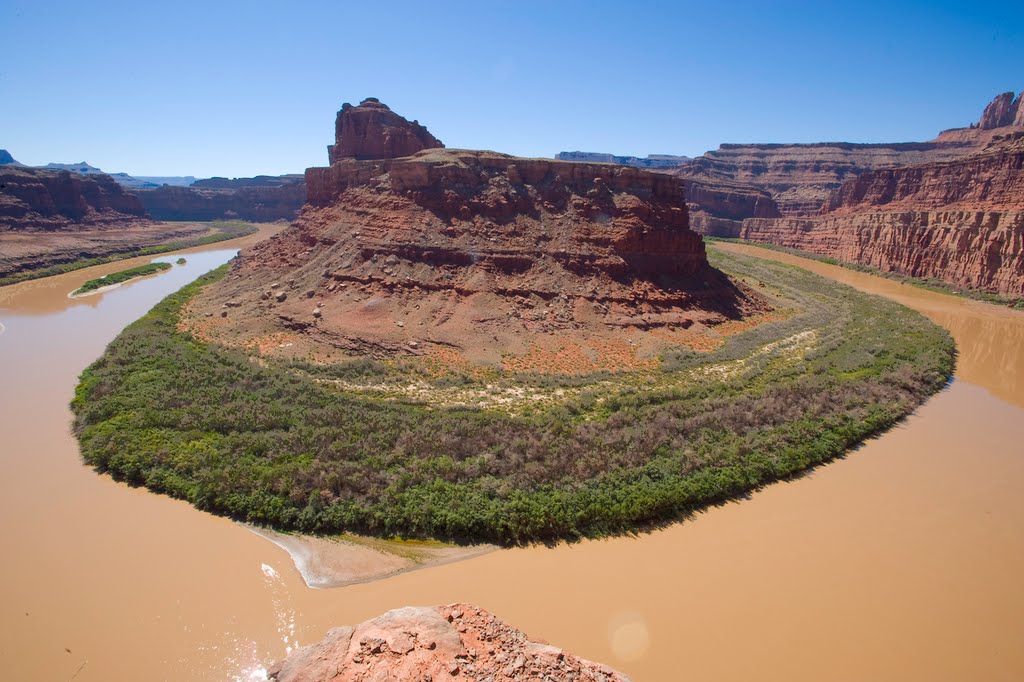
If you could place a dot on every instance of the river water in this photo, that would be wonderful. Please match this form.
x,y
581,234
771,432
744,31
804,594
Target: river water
x,y
902,561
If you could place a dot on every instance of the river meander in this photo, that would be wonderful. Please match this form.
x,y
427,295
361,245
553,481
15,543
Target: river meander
x,y
901,561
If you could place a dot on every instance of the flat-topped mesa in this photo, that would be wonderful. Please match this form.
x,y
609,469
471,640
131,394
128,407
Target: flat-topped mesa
x,y
594,217
372,131
479,254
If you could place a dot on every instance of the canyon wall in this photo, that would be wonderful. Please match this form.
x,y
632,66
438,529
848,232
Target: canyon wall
x,y
719,207
222,199
800,177
35,199
961,221
239,183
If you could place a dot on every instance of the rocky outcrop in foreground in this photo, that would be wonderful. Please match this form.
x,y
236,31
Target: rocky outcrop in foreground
x,y
435,643
35,199
961,221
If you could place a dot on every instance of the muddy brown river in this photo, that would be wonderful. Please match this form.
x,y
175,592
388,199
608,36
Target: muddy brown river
x,y
902,561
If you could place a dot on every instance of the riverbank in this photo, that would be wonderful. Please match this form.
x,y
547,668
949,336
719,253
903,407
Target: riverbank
x,y
935,285
288,446
344,560
107,282
33,255
905,555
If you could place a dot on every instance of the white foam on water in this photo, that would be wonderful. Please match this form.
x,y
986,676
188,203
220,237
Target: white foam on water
x,y
257,674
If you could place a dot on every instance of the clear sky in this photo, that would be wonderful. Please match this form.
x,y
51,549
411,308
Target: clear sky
x,y
242,88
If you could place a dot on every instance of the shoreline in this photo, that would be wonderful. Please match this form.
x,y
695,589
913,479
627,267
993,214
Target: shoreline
x,y
338,561
72,295
109,287
935,285
215,234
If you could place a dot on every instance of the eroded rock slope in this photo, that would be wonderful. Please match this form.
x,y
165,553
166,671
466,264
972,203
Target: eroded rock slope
x,y
958,221
478,252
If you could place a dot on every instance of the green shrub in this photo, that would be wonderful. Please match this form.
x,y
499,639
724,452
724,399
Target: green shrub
x,y
282,444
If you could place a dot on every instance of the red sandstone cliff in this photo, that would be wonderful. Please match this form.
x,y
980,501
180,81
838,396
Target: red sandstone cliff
x,y
992,179
478,252
800,177
1005,110
718,207
34,199
414,644
960,221
226,200
372,131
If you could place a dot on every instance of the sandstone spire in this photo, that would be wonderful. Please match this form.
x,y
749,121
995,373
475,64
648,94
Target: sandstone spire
x,y
1004,110
372,131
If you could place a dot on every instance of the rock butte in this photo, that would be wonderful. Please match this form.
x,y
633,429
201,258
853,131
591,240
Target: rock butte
x,y
373,131
473,252
435,643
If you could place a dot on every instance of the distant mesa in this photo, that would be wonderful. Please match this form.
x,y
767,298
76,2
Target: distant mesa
x,y
6,159
650,161
372,131
257,181
123,179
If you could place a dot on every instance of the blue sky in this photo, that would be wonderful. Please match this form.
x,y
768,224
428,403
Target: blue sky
x,y
241,88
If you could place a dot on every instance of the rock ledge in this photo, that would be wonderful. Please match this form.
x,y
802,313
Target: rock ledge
x,y
435,643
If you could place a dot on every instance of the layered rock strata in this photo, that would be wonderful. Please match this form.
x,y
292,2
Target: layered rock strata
x,y
800,177
34,199
478,252
719,207
961,221
221,199
434,643
1004,110
372,131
